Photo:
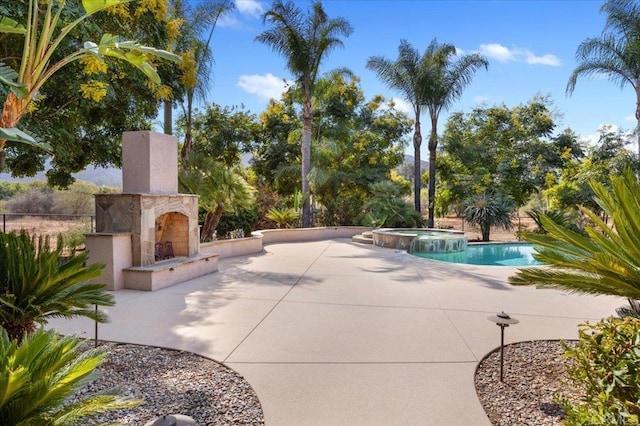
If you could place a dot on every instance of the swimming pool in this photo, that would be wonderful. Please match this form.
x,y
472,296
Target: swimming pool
x,y
508,254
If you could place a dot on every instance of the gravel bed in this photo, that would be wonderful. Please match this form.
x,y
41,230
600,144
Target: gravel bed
x,y
174,382
533,373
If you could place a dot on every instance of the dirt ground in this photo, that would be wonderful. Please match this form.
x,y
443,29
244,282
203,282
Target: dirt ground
x,y
497,234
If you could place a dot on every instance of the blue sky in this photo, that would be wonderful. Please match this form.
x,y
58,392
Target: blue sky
x,y
530,45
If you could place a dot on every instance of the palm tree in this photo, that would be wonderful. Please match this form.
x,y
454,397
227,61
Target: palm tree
x,y
407,75
220,189
304,41
40,375
195,47
447,76
487,210
36,286
432,80
606,260
615,53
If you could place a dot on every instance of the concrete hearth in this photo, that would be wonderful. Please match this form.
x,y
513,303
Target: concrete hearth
x,y
160,224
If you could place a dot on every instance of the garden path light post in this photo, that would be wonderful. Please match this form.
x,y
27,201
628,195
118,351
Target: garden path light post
x,y
502,320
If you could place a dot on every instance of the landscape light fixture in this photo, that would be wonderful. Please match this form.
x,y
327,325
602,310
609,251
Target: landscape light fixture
x,y
502,320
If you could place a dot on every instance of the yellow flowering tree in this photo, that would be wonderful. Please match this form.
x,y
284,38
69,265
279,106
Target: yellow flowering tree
x,y
47,26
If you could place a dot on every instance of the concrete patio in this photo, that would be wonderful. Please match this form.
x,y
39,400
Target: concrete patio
x,y
337,333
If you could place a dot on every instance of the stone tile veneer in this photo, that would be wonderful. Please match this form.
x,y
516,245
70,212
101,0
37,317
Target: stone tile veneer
x,y
137,214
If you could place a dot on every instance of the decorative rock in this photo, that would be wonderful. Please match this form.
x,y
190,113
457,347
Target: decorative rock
x,y
535,372
172,381
172,420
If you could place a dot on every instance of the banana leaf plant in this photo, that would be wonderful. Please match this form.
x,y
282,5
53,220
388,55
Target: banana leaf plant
x,y
43,32
604,261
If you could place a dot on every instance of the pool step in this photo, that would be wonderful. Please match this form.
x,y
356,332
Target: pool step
x,y
364,238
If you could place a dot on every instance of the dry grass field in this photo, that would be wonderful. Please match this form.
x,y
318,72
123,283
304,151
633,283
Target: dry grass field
x,y
72,229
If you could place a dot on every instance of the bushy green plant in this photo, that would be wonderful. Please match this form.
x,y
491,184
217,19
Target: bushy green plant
x,y
605,369
387,207
11,189
283,216
487,210
36,286
241,218
559,217
39,376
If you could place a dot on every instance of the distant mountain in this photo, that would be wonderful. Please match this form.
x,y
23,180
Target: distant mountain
x,y
424,165
100,176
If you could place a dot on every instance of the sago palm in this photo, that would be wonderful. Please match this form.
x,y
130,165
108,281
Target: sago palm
x,y
616,53
606,260
40,375
304,41
37,286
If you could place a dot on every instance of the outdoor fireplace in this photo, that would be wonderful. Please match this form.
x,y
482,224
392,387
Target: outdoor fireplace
x,y
150,207
148,235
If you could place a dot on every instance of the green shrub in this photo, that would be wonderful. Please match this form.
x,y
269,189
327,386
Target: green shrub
x,y
283,216
387,207
244,219
11,189
36,286
606,371
39,376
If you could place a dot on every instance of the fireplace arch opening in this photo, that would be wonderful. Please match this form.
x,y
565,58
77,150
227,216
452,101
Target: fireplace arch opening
x,y
171,235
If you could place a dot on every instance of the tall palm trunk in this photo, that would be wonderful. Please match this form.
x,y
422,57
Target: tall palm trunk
x,y
417,160
187,146
168,117
211,222
433,144
307,120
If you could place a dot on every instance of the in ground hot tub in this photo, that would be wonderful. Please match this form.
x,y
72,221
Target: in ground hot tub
x,y
420,239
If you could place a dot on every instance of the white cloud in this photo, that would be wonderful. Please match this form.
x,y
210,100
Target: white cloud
x,y
497,52
631,118
504,54
459,52
229,21
548,59
250,7
403,106
481,99
265,87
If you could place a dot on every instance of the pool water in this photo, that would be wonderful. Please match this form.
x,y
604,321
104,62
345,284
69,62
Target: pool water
x,y
510,254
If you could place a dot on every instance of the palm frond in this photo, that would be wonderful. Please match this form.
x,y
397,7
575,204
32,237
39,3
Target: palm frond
x,y
605,261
